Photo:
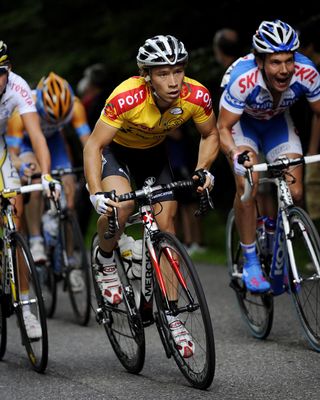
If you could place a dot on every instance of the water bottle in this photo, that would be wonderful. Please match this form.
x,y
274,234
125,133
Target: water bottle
x,y
270,227
50,224
136,259
261,235
126,245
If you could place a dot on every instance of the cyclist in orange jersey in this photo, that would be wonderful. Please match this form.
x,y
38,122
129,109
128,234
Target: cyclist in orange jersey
x,y
130,136
57,108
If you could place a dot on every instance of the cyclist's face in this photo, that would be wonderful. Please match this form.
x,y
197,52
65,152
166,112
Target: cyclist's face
x,y
167,81
279,69
3,80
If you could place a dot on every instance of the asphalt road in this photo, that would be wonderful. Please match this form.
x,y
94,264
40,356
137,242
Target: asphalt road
x,y
82,364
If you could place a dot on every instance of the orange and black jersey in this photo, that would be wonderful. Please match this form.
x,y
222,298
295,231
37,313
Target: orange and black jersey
x,y
132,109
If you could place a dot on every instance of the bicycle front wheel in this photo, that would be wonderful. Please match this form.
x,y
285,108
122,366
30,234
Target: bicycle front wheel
x,y
256,309
180,280
306,290
26,282
122,322
76,265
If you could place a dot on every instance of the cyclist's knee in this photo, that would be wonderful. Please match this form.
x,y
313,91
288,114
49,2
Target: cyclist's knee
x,y
297,195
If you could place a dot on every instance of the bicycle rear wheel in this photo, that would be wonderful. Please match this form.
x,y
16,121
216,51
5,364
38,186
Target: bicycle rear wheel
x,y
25,274
306,293
3,326
48,285
76,265
256,309
122,322
181,280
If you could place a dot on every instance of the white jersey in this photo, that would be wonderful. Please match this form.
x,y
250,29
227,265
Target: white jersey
x,y
17,95
246,91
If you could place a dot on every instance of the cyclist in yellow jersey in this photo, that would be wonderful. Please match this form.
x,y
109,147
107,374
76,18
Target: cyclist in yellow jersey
x,y
130,135
15,93
57,107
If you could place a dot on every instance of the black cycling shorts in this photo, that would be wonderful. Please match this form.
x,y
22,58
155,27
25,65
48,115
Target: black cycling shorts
x,y
137,165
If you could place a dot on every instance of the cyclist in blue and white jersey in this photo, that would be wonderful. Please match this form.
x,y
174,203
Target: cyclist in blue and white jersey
x,y
254,115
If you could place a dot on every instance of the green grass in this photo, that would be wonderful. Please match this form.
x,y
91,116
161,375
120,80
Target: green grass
x,y
214,228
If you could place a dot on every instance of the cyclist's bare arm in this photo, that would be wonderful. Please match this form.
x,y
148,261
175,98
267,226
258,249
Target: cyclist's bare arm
x,y
208,146
39,144
314,143
101,136
226,121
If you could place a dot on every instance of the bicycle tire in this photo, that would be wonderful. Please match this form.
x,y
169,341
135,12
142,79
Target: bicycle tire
x,y
25,270
256,309
48,285
199,368
76,261
3,326
306,294
122,323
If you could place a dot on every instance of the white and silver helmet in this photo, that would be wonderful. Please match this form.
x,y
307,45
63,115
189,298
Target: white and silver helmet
x,y
274,37
161,50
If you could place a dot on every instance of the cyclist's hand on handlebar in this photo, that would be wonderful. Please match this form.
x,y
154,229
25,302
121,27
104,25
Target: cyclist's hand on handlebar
x,y
26,170
204,179
103,204
242,161
51,186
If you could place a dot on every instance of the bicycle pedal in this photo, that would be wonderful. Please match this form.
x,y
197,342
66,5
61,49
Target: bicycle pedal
x,y
101,317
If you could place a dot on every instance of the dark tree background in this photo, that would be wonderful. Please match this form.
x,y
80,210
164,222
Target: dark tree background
x,y
68,35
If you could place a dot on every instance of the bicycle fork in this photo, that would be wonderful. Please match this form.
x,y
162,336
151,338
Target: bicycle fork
x,y
176,268
289,235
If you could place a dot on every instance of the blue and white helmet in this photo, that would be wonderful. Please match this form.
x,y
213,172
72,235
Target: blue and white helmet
x,y
274,37
161,50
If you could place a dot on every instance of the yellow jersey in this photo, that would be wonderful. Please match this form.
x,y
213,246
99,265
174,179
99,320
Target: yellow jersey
x,y
132,109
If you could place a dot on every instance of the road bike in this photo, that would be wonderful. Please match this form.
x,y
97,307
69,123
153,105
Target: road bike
x,y
125,323
67,259
18,274
293,266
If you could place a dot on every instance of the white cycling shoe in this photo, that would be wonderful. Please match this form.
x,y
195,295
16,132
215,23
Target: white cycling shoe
x,y
108,280
32,325
76,281
38,250
182,338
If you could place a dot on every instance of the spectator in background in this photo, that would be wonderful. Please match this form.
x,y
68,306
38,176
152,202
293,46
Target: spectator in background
x,y
227,48
92,89
309,36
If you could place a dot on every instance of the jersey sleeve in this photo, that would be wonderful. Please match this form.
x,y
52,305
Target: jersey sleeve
x,y
79,119
307,76
239,81
123,101
24,99
199,99
15,131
